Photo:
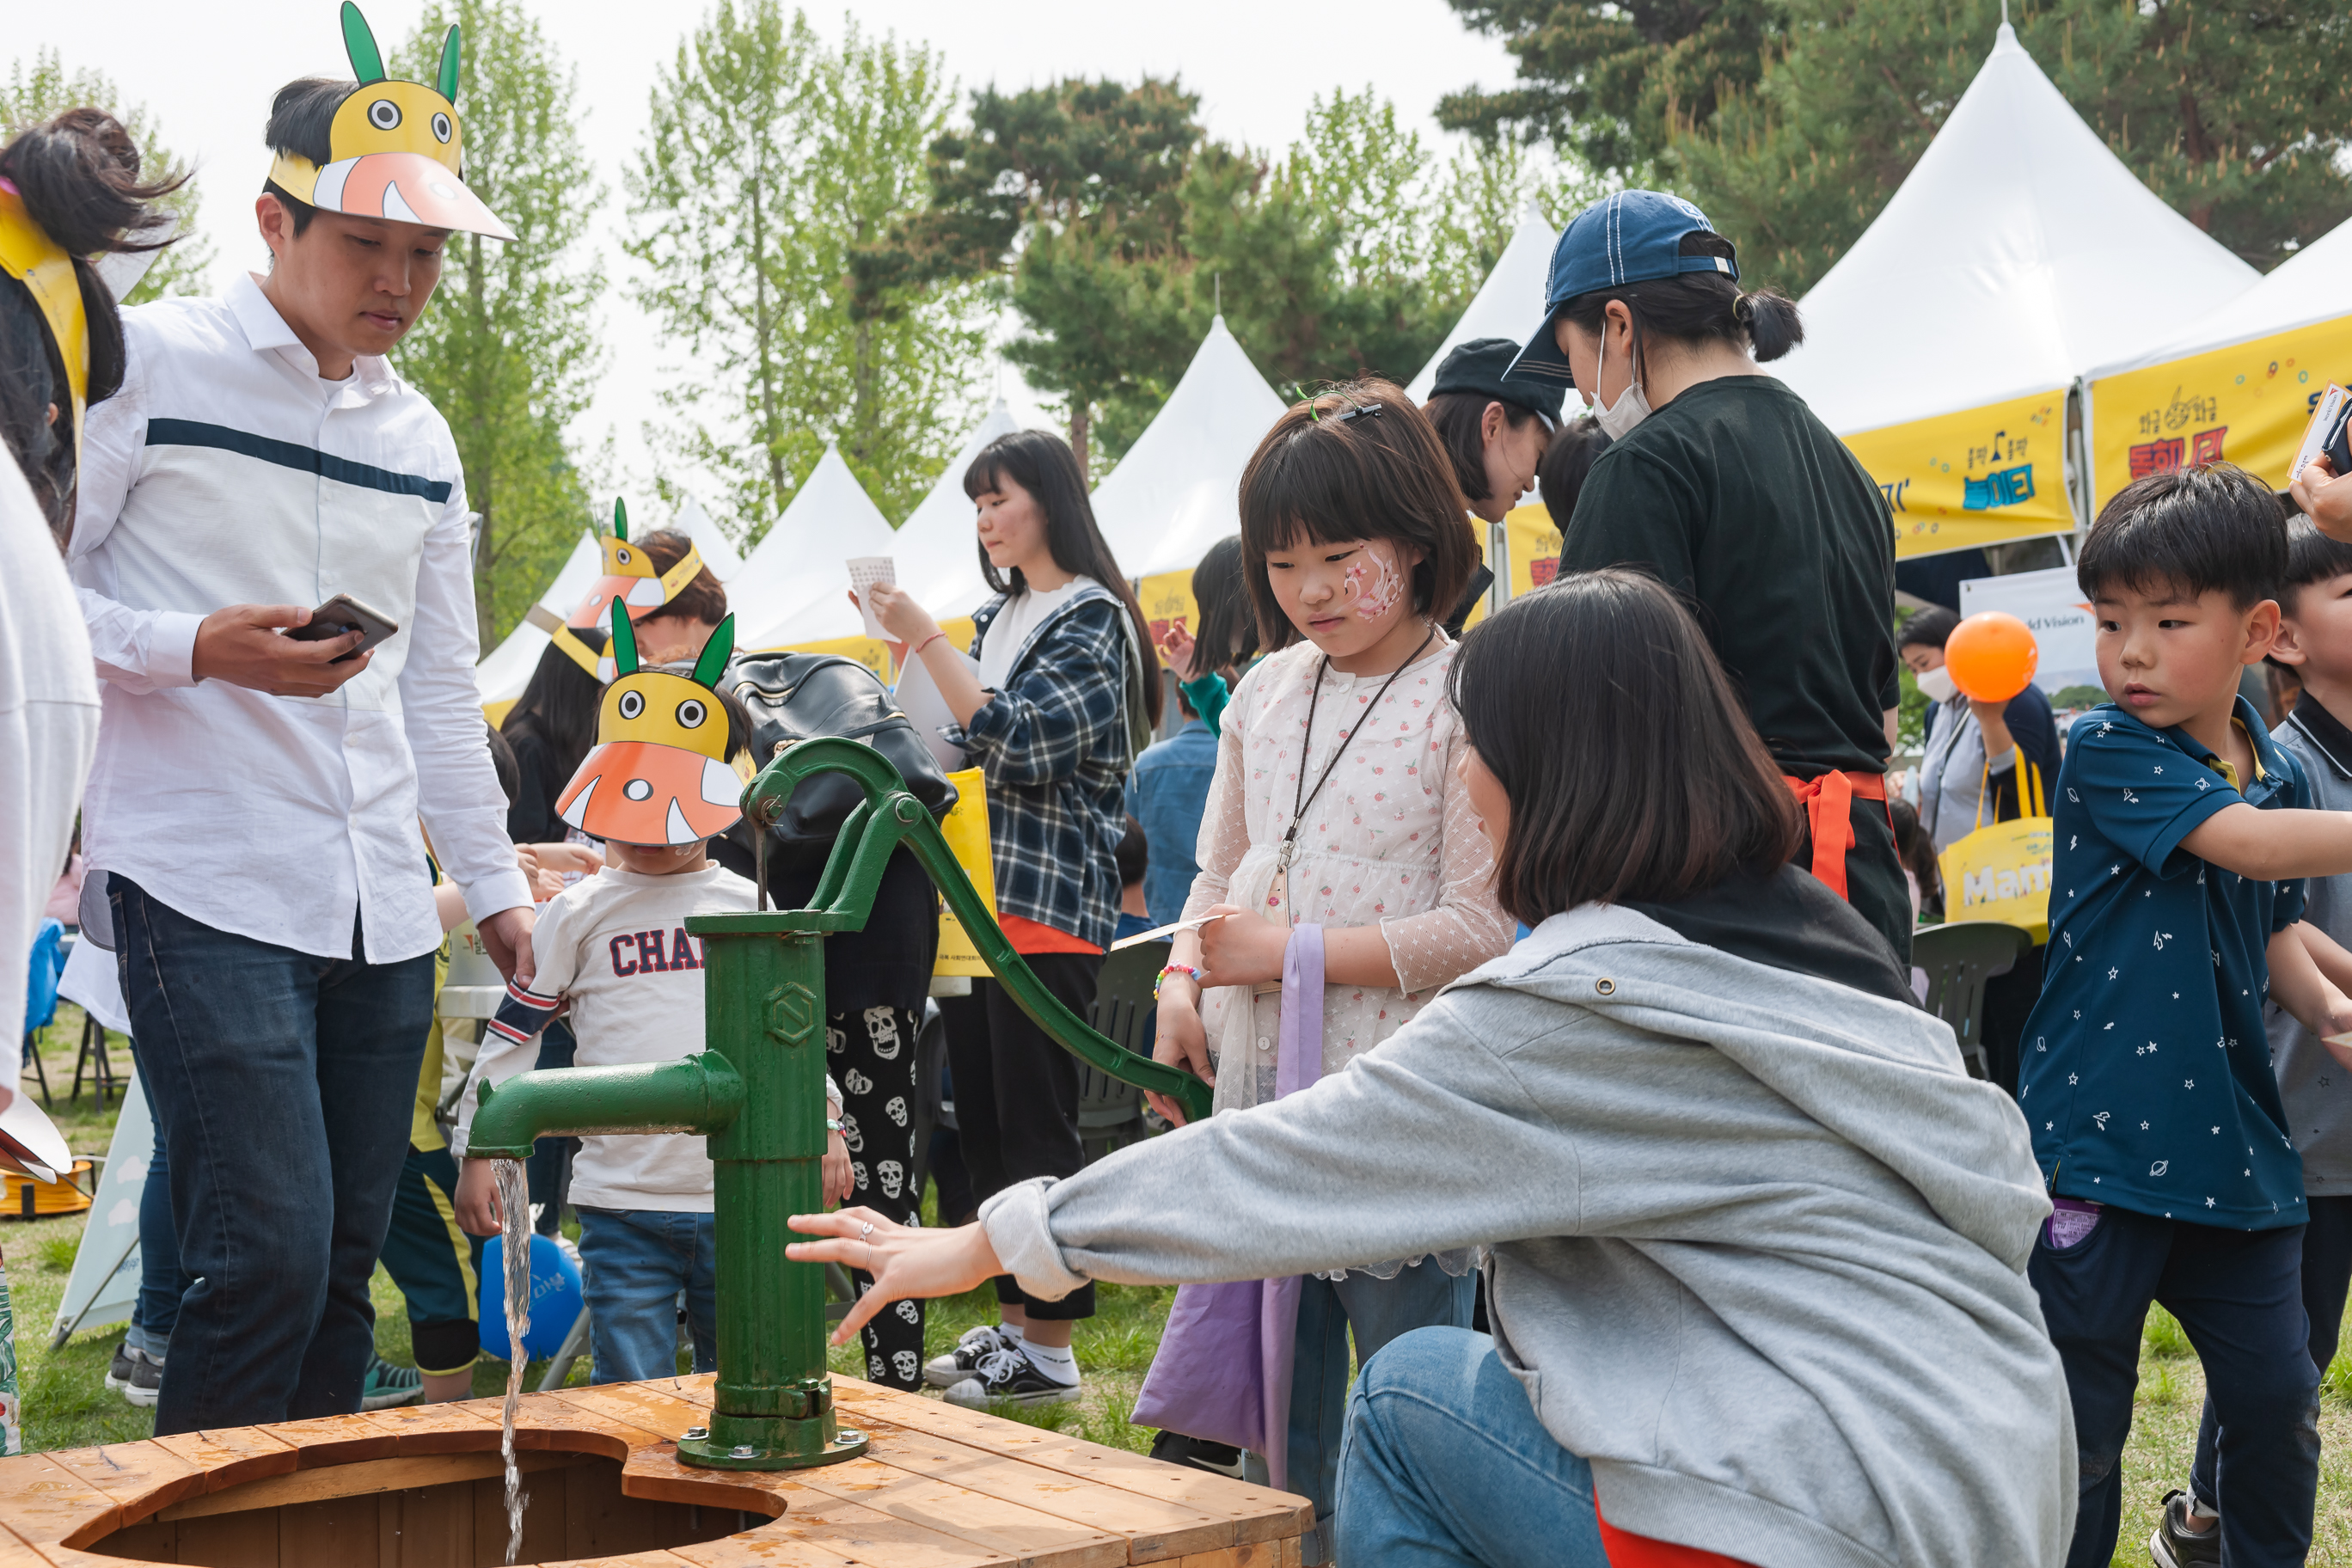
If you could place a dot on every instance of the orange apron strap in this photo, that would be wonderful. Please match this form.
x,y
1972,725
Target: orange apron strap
x,y
1829,812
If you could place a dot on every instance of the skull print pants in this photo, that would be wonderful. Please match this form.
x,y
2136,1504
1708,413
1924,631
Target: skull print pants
x,y
873,1059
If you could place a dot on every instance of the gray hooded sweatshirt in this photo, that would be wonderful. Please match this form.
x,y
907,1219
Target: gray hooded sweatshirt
x,y
1759,1242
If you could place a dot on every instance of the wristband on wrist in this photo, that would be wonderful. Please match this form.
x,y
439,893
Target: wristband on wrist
x,y
1196,975
833,1125
927,642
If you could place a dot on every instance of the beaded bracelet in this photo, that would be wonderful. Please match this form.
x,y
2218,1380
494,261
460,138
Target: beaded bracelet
x,y
1196,975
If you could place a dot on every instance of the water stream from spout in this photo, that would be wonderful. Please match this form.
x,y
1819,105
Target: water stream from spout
x,y
514,1210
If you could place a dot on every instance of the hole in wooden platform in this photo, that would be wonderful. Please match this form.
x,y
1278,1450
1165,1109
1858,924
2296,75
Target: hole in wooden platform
x,y
436,1511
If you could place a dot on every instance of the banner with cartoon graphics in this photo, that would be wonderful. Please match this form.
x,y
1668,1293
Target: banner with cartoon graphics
x,y
2247,405
1985,476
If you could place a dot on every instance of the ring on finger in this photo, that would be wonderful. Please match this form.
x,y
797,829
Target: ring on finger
x,y
866,1235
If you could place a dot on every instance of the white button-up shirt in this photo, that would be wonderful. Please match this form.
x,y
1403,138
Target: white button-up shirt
x,y
225,472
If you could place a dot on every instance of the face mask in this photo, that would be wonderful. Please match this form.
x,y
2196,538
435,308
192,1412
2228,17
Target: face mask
x,y
1617,419
1936,684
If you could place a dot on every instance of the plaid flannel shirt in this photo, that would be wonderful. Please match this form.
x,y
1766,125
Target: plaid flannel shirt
x,y
1054,746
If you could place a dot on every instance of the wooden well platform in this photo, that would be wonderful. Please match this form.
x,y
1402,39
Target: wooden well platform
x,y
419,1487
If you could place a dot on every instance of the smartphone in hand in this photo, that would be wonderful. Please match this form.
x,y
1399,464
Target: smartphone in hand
x,y
344,614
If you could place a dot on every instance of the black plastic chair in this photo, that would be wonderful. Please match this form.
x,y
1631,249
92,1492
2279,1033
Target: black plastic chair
x,y
1960,957
1110,1113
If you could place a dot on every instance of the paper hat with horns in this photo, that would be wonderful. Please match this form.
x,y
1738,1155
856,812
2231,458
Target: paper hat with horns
x,y
630,579
393,148
28,255
659,773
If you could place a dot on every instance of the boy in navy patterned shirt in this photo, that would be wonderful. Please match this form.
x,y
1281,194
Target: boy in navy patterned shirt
x,y
2175,905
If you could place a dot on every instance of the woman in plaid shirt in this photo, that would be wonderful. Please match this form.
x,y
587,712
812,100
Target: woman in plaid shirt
x,y
1055,715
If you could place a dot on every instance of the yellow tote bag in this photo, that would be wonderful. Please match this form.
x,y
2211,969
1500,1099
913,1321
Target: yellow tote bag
x,y
2002,872
965,827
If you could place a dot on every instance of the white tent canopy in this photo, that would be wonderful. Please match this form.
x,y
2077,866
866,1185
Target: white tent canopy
x,y
1177,491
2018,252
1509,303
710,540
938,562
506,669
802,560
2313,284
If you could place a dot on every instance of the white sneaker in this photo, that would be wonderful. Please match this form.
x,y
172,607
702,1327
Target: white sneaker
x,y
1010,1377
963,1361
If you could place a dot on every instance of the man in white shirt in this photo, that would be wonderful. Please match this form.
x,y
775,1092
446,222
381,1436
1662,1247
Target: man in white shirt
x,y
252,819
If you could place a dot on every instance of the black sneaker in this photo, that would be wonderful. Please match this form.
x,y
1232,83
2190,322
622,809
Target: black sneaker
x,y
1010,1377
1217,1459
117,1372
146,1383
963,1361
2175,1545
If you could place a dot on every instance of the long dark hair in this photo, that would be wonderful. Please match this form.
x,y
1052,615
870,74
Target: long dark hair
x,y
1692,306
1610,664
78,174
559,707
1227,638
1358,461
1043,464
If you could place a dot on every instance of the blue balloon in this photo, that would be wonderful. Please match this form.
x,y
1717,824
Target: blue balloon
x,y
555,1299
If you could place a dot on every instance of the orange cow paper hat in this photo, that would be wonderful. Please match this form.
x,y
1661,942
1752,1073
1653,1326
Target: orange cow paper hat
x,y
630,579
659,773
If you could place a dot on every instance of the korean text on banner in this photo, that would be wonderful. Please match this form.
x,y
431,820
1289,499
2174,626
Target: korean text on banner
x,y
965,827
2247,405
1985,476
2001,873
1167,601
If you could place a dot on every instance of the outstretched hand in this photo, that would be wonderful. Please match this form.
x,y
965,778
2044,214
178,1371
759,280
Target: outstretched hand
x,y
907,1263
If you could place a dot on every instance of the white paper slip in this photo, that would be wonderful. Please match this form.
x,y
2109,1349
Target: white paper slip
x,y
2327,419
919,700
1162,933
864,570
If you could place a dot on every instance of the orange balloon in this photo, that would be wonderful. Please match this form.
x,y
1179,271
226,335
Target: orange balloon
x,y
1991,655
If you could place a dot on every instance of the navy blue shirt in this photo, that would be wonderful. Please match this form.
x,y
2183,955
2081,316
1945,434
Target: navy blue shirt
x,y
2147,1077
1166,793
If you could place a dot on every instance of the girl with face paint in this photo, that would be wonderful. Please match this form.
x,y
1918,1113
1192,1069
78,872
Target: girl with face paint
x,y
1336,805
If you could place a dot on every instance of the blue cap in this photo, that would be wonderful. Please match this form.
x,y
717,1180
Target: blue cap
x,y
1630,238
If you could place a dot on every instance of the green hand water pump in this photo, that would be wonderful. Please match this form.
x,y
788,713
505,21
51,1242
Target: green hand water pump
x,y
757,1093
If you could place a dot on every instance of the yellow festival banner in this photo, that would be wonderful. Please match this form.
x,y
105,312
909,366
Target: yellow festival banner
x,y
965,827
1986,476
2247,405
871,652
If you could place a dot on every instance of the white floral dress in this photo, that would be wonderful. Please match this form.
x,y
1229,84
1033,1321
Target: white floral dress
x,y
1390,840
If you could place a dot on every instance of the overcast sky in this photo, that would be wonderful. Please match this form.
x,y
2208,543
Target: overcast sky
x,y
207,71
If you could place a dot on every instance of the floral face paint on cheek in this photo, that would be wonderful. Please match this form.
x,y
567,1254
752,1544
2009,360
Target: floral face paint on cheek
x,y
1373,581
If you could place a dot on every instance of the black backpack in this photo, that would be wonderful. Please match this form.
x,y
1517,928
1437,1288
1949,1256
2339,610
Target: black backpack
x,y
794,697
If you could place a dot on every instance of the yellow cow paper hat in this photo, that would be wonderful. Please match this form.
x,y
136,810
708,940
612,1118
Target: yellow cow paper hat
x,y
630,579
659,773
393,148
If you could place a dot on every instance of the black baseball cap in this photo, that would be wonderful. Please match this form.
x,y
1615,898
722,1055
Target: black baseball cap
x,y
1477,366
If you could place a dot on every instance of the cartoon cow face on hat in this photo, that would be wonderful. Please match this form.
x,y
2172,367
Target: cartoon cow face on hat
x,y
659,774
631,578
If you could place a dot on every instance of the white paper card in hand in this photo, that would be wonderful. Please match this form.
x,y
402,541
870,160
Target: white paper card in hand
x,y
919,700
864,570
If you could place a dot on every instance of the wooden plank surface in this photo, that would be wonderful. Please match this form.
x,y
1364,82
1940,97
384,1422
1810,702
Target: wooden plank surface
x,y
141,1477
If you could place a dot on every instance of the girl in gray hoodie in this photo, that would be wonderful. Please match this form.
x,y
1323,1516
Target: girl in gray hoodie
x,y
1755,1242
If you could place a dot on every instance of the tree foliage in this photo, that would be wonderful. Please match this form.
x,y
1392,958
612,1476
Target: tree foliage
x,y
769,161
48,88
1119,230
508,349
1791,121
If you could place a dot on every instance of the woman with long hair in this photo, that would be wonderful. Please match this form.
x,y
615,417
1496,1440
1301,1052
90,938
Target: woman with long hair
x,y
1055,713
1754,1243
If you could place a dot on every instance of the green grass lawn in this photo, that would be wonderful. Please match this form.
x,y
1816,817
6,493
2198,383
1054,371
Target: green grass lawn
x,y
67,1404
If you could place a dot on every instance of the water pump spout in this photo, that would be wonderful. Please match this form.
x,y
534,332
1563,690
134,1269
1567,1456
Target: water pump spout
x,y
700,1094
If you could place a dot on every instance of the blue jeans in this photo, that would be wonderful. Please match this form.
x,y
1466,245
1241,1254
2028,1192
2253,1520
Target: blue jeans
x,y
161,1280
283,1084
1378,1310
634,1262
1447,1466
